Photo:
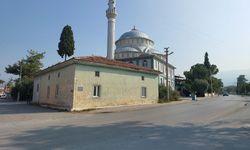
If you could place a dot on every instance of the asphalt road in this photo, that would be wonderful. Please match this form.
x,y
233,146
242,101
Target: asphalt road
x,y
221,123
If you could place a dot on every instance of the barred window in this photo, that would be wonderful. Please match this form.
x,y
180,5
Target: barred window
x,y
97,91
143,92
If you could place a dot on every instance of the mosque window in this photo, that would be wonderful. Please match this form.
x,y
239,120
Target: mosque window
x,y
145,63
156,64
161,82
130,54
137,62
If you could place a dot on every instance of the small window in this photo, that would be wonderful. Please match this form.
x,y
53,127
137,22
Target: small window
x,y
143,92
161,82
59,74
142,78
37,88
97,91
97,74
49,77
57,90
137,62
145,63
48,91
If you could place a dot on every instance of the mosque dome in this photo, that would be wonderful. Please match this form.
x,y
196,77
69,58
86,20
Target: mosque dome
x,y
134,43
134,33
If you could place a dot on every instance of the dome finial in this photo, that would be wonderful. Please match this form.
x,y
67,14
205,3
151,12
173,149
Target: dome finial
x,y
134,28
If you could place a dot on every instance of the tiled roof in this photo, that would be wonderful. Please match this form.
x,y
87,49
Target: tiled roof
x,y
120,64
98,61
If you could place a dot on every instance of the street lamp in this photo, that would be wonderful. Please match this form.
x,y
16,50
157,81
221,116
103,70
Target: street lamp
x,y
167,54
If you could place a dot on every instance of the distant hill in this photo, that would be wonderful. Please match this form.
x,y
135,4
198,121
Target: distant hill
x,y
230,77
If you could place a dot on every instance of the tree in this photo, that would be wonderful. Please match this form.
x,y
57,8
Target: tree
x,y
200,87
67,44
27,68
206,61
241,84
1,81
248,88
212,70
198,71
196,79
230,89
217,85
199,79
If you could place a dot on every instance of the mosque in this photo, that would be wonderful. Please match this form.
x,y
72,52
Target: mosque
x,y
136,47
130,74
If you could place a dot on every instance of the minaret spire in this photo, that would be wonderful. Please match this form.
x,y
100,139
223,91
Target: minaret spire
x,y
111,15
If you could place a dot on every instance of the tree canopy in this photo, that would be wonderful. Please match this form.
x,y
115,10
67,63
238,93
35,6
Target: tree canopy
x,y
242,85
27,67
196,79
199,79
206,61
1,81
67,44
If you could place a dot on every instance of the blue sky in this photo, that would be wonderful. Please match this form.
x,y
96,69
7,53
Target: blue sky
x,y
188,27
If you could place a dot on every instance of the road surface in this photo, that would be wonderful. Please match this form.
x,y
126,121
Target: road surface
x,y
220,123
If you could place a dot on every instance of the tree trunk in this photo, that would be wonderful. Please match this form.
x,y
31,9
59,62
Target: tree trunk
x,y
65,57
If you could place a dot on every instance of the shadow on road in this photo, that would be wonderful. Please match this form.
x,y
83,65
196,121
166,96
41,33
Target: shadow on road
x,y
132,136
19,108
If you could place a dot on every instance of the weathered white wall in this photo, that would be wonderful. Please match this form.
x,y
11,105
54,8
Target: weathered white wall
x,y
118,87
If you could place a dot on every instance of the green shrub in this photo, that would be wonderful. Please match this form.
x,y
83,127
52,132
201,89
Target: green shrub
x,y
173,95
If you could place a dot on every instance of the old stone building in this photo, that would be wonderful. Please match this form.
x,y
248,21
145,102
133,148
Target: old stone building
x,y
90,82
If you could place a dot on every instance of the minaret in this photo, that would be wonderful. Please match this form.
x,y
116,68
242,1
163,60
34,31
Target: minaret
x,y
111,15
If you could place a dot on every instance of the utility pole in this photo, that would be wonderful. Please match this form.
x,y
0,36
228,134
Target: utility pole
x,y
167,54
211,79
20,76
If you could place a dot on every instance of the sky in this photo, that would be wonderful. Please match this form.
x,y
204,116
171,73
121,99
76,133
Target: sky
x,y
189,27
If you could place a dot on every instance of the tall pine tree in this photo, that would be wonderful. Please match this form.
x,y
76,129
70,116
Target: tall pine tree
x,y
206,61
67,44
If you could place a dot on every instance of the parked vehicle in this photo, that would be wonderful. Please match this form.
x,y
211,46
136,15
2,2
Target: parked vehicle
x,y
225,94
3,96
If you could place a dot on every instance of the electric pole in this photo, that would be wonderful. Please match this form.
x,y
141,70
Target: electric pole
x,y
167,85
20,76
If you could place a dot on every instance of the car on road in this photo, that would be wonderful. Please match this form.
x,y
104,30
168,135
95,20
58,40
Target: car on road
x,y
3,96
225,94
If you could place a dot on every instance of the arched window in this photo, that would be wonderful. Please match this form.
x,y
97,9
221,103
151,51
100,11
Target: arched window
x,y
145,63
